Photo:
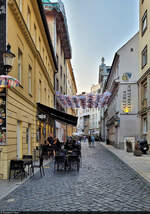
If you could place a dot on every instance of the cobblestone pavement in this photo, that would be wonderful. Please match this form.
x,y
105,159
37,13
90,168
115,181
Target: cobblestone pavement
x,y
104,183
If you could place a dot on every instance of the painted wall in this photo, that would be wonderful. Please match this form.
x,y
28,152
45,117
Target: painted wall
x,y
21,105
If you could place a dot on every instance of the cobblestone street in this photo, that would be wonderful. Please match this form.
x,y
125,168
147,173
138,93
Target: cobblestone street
x,y
104,183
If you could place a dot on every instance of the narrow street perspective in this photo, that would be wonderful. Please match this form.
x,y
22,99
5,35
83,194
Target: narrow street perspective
x,y
74,106
103,183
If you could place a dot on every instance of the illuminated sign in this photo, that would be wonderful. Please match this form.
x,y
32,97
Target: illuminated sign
x,y
126,100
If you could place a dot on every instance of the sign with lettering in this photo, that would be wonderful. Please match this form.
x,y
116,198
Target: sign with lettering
x,y
42,116
126,105
3,116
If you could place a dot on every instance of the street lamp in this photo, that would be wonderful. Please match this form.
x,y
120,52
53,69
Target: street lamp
x,y
8,59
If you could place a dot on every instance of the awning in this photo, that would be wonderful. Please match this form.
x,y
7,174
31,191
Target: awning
x,y
58,115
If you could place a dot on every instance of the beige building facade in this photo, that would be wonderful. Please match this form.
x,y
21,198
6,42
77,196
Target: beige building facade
x,y
71,90
144,69
57,22
34,67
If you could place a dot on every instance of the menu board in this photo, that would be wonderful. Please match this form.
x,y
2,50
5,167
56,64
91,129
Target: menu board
x,y
2,116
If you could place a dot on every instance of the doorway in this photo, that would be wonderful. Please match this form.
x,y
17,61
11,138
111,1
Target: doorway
x,y
18,139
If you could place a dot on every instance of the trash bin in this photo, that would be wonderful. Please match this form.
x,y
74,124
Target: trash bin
x,y
129,146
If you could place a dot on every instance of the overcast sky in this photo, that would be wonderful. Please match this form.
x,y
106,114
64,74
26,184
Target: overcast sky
x,y
98,28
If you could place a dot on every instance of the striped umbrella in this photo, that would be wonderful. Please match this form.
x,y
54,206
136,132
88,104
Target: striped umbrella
x,y
8,81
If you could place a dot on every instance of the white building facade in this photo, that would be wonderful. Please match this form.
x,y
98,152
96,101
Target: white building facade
x,y
94,114
104,71
121,115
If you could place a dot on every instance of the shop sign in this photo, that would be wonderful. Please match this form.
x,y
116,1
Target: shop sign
x,y
3,116
126,105
42,116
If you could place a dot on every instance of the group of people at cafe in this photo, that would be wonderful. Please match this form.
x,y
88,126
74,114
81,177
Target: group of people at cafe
x,y
52,145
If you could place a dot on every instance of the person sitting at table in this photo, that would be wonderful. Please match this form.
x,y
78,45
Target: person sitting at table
x,y
56,145
50,139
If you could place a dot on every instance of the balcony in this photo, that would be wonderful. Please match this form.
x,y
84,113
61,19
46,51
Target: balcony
x,y
144,103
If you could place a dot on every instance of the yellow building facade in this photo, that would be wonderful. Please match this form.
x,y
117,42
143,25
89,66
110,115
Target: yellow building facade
x,y
57,23
71,90
34,67
144,68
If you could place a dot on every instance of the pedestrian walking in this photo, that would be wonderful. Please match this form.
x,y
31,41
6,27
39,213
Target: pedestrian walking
x,y
89,140
84,139
93,140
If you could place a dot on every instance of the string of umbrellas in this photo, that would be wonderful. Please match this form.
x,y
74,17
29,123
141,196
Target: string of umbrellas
x,y
84,101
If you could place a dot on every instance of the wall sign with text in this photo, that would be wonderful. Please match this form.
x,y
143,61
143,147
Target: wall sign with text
x,y
126,105
3,116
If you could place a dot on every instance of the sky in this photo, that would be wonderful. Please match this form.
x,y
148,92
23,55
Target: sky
x,y
98,28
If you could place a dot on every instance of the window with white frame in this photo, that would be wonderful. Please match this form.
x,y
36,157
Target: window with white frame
x,y
19,65
144,56
144,23
145,125
30,80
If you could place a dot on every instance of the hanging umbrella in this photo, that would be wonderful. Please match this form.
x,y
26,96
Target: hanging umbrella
x,y
8,81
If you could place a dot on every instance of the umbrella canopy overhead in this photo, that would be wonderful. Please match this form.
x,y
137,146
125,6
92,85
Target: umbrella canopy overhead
x,y
8,81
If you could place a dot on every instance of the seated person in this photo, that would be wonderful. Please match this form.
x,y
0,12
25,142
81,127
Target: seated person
x,y
50,139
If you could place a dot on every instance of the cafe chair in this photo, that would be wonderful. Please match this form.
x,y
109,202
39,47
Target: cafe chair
x,y
73,161
39,165
18,167
28,161
60,161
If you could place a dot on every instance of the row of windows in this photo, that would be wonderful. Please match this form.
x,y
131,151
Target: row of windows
x,y
59,88
19,76
36,38
44,96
